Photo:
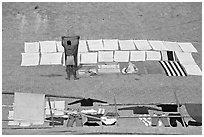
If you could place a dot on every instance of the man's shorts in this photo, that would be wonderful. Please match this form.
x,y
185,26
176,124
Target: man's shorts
x,y
70,60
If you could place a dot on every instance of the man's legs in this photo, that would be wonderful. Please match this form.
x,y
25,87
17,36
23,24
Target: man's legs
x,y
74,71
68,69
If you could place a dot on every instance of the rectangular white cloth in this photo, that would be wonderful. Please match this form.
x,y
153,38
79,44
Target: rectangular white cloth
x,y
110,44
112,70
121,56
172,46
105,56
60,48
193,69
164,56
30,59
29,107
51,58
142,45
47,107
10,117
137,56
89,58
187,47
95,45
48,46
31,47
157,45
82,46
59,105
126,45
185,58
153,55
109,66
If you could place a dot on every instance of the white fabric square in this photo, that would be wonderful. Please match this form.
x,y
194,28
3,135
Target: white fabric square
x,y
29,107
126,45
13,123
187,47
89,58
48,46
10,115
157,45
30,59
137,56
142,45
192,70
59,106
47,107
110,44
82,46
95,45
153,55
51,58
105,56
185,58
172,46
164,55
31,47
60,48
121,56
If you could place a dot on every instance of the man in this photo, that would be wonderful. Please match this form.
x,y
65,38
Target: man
x,y
70,44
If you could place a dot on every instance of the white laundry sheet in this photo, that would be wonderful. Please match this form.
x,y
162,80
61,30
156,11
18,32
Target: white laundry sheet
x,y
95,45
60,48
172,46
48,46
30,59
51,58
137,56
192,69
185,58
89,58
153,55
57,108
126,45
110,44
121,56
110,70
164,56
157,45
29,108
142,45
109,66
31,47
187,47
47,107
105,56
82,46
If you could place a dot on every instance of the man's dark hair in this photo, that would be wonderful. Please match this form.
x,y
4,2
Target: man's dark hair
x,y
69,42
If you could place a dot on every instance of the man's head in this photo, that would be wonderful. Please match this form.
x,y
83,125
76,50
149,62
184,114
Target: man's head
x,y
69,42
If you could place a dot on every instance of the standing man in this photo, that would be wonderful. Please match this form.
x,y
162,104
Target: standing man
x,y
70,44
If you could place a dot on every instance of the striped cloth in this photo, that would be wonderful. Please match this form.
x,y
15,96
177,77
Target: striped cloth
x,y
173,68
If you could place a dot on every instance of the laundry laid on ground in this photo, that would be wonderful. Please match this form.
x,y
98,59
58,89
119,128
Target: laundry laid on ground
x,y
113,51
173,68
